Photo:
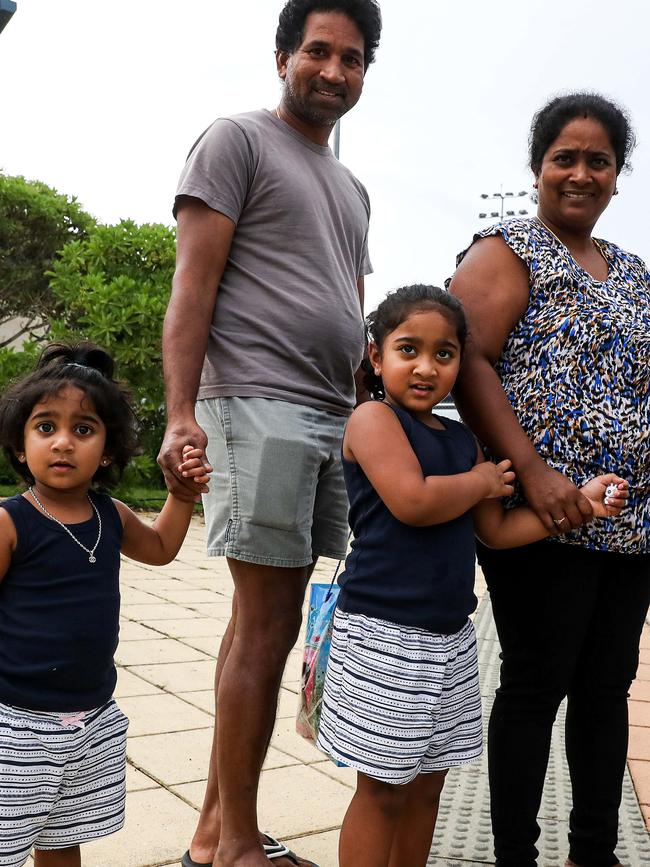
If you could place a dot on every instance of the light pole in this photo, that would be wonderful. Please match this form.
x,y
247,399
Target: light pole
x,y
502,212
337,138
7,9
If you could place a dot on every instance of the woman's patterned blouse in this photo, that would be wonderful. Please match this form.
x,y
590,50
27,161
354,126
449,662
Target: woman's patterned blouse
x,y
576,370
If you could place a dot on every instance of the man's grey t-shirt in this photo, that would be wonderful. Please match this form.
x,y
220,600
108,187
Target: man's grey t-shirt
x,y
287,322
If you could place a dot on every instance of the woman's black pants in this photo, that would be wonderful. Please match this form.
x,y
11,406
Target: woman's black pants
x,y
569,621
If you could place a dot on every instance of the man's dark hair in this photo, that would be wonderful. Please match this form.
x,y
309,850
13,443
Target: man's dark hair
x,y
550,120
365,14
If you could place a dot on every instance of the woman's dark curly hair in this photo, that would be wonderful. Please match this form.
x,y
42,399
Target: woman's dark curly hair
x,y
550,120
365,14
89,368
398,306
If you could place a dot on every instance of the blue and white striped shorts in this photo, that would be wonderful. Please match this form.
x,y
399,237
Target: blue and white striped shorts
x,y
400,701
62,778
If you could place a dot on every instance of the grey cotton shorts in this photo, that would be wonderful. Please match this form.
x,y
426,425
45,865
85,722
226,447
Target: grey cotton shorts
x,y
277,495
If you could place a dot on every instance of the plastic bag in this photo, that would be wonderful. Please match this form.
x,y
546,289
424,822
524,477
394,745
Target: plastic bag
x,y
318,640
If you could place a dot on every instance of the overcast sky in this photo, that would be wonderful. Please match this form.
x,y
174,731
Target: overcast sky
x,y
102,100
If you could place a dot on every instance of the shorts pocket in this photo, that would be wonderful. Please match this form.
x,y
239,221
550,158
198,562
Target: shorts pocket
x,y
285,484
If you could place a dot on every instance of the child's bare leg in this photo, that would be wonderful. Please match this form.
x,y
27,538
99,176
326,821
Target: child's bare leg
x,y
69,857
417,821
369,824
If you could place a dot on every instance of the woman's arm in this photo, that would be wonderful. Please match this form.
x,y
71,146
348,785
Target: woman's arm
x,y
497,527
158,543
375,439
492,283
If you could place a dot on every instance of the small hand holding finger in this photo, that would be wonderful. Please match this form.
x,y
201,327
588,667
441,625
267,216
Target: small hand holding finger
x,y
194,466
179,433
507,477
607,494
499,477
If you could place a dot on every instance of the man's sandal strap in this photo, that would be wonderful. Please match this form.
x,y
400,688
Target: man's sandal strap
x,y
274,849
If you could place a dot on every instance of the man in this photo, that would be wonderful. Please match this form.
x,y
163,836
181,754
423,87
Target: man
x,y
264,328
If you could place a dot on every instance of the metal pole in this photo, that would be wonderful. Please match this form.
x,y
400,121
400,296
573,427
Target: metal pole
x,y
337,138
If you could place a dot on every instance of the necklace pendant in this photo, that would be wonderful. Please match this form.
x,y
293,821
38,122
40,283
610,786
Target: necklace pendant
x,y
92,559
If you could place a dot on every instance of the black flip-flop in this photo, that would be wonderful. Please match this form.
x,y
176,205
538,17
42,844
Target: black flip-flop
x,y
273,849
187,861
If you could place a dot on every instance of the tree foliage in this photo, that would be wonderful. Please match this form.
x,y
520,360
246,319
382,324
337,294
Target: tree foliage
x,y
113,288
35,223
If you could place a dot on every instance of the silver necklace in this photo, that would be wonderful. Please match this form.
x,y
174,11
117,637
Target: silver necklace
x,y
89,551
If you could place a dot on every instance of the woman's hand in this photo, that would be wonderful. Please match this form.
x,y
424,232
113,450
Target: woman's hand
x,y
556,501
606,503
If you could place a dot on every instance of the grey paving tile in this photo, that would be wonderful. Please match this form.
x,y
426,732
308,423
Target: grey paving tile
x,y
131,630
196,626
160,650
155,714
130,684
157,611
177,676
158,823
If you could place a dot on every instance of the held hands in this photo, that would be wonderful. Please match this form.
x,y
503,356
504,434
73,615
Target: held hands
x,y
499,478
607,495
179,434
556,501
194,467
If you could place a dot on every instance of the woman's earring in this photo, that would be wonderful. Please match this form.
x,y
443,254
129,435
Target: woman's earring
x,y
105,462
377,371
615,191
21,457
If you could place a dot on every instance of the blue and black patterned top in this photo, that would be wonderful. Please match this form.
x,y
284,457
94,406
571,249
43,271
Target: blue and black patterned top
x,y
576,370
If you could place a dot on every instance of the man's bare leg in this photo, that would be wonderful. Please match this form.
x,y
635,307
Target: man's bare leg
x,y
68,857
253,654
206,837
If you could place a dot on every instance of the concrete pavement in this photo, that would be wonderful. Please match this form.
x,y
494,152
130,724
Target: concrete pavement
x,y
173,618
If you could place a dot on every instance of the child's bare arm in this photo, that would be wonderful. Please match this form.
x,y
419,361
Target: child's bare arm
x,y
8,541
158,543
375,439
500,528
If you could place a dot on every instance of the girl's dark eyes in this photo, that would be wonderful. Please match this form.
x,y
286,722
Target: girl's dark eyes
x,y
407,349
46,427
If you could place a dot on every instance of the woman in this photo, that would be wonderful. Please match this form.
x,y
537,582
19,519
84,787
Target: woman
x,y
556,378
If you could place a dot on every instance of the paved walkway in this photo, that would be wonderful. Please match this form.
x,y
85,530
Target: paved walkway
x,y
173,618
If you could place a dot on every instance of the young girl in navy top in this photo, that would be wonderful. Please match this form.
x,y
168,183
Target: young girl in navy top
x,y
68,428
401,700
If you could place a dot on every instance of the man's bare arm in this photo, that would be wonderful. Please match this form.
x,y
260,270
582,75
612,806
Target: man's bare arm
x,y
204,238
361,393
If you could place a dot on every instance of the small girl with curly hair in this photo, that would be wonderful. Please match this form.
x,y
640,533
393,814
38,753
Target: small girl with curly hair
x,y
401,700
69,430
